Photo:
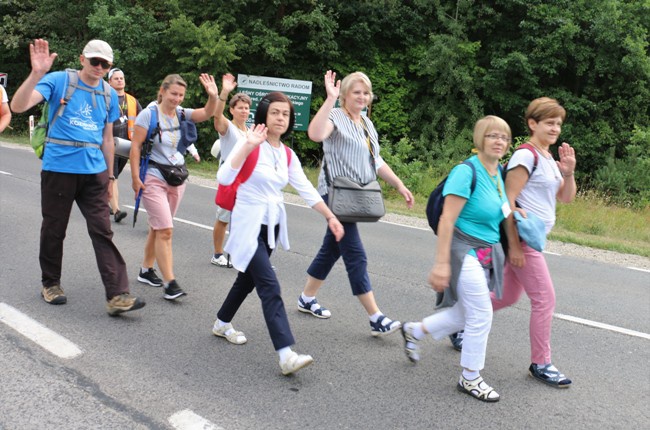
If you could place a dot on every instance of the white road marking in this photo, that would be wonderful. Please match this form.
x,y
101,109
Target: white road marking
x,y
184,221
602,326
38,333
188,420
5,173
639,269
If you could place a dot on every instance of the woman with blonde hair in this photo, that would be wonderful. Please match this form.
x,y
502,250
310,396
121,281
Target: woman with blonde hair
x,y
469,258
160,198
351,149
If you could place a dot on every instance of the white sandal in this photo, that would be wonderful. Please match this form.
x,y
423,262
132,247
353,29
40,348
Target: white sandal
x,y
478,389
295,362
236,337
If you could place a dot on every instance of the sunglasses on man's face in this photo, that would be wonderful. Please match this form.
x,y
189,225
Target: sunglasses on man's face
x,y
97,62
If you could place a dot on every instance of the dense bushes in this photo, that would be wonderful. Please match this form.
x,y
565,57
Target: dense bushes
x,y
436,65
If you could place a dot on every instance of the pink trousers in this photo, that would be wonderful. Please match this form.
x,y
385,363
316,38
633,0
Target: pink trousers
x,y
535,279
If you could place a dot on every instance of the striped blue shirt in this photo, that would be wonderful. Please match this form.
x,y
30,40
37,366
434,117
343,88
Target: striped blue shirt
x,y
346,150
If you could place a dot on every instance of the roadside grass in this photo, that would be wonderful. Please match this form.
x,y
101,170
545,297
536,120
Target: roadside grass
x,y
588,221
15,138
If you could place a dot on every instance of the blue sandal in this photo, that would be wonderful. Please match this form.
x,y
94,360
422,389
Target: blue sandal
x,y
379,329
457,340
549,375
313,308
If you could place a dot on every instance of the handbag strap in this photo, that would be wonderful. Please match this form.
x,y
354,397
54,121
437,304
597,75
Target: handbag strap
x,y
372,153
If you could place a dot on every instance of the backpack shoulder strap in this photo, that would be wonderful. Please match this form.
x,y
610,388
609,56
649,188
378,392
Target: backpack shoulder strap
x,y
153,122
107,95
531,148
249,165
288,151
72,84
69,85
472,187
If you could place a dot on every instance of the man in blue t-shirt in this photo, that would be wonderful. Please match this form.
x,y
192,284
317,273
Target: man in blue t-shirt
x,y
77,166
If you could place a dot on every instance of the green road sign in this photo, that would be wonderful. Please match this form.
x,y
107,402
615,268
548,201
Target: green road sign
x,y
299,92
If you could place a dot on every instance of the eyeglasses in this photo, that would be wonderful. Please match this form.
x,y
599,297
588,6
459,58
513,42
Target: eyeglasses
x,y
97,62
506,139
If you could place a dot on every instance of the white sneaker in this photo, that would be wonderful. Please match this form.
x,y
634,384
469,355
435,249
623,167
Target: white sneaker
x,y
222,261
295,362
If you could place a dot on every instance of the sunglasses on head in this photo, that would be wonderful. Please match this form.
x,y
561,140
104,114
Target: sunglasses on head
x,y
96,62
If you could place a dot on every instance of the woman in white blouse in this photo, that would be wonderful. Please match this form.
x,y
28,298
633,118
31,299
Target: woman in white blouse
x,y
259,221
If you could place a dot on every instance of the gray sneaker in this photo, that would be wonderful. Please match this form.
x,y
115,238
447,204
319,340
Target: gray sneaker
x,y
54,295
123,303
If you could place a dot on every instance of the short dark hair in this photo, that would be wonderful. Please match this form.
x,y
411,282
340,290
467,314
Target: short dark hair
x,y
262,110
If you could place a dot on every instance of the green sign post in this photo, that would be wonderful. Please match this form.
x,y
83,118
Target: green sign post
x,y
299,92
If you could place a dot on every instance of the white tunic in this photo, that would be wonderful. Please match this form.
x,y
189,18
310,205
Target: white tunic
x,y
260,200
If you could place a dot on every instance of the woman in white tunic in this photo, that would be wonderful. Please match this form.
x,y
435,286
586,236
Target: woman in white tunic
x,y
259,221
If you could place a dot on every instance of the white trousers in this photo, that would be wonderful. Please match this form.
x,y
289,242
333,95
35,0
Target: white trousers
x,y
472,313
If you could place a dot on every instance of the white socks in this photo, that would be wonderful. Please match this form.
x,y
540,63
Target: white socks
x,y
418,331
284,353
385,322
314,307
470,375
374,317
221,324
307,299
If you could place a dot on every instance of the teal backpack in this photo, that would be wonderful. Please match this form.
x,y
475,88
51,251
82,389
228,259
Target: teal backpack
x,y
41,132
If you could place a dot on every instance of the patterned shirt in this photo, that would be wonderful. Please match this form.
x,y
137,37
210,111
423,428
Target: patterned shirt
x,y
346,150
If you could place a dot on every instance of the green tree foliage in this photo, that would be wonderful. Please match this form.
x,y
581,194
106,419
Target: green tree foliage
x,y
436,65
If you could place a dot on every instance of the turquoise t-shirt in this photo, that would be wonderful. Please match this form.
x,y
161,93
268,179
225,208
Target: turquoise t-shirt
x,y
82,121
482,213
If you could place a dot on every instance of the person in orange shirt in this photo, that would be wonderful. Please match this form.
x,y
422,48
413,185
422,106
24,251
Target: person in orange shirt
x,y
122,128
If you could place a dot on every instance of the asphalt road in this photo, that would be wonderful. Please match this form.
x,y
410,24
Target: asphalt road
x,y
142,369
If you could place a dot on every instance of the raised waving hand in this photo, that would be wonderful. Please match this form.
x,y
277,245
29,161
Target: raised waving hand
x,y
332,86
40,56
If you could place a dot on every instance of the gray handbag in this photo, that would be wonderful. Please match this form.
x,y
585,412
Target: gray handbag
x,y
354,202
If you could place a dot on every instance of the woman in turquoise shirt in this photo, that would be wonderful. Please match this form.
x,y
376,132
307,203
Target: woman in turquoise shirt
x,y
469,258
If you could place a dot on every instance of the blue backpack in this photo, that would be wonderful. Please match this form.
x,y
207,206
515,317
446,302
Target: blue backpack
x,y
189,133
437,200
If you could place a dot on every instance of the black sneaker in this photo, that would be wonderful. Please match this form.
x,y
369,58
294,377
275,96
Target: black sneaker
x,y
119,215
150,277
173,291
457,340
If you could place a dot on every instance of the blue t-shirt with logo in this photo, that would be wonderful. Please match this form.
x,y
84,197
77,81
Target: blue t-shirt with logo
x,y
482,212
82,121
